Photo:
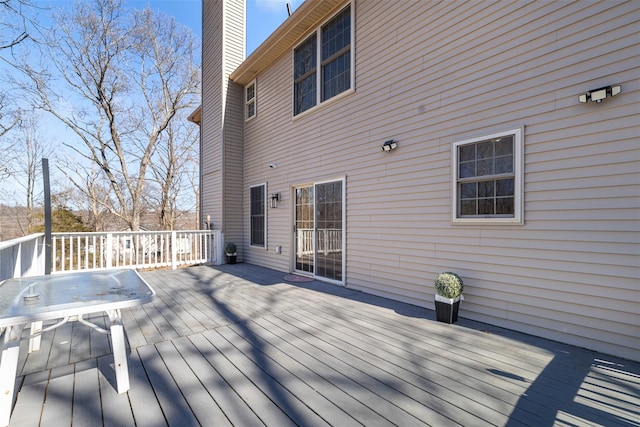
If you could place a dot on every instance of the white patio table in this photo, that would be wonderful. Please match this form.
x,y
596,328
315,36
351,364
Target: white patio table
x,y
69,297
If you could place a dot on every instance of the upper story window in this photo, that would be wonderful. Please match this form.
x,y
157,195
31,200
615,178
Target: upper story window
x,y
250,100
336,55
329,46
488,179
305,58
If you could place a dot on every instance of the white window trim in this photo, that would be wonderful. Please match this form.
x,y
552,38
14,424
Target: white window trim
x,y
255,101
518,160
352,88
266,219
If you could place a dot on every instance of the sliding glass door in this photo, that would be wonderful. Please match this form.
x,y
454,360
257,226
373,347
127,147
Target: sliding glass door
x,y
318,230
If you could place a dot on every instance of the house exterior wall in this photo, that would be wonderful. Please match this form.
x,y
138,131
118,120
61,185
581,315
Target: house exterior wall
x,y
221,132
429,74
211,127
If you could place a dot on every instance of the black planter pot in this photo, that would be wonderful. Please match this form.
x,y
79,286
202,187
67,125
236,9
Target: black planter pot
x,y
231,259
447,312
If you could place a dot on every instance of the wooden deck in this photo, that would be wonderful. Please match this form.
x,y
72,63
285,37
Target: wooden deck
x,y
237,345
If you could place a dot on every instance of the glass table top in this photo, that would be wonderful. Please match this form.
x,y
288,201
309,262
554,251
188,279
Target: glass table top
x,y
59,295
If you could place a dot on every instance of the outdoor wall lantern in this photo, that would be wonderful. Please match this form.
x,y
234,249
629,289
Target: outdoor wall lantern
x,y
597,95
389,145
275,198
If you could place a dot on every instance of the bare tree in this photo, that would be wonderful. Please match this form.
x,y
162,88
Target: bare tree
x,y
14,22
14,30
6,146
174,161
117,80
26,166
85,189
18,24
8,118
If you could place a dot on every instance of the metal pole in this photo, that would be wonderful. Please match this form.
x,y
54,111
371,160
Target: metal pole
x,y
47,216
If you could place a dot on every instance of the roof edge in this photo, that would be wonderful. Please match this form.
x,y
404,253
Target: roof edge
x,y
304,18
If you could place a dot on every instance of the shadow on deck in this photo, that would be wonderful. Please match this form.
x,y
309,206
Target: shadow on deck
x,y
237,345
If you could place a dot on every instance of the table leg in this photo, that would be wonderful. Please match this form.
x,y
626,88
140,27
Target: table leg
x,y
119,351
8,370
34,341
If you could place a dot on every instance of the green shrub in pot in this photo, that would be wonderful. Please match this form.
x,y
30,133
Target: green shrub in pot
x,y
449,285
449,289
230,248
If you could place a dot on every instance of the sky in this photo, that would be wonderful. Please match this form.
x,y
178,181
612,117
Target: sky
x,y
263,16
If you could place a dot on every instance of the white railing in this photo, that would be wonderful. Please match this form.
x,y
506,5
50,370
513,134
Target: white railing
x,y
98,251
328,240
127,249
22,257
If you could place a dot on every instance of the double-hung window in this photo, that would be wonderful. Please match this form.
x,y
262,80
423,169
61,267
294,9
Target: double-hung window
x,y
329,46
258,215
487,176
250,100
305,75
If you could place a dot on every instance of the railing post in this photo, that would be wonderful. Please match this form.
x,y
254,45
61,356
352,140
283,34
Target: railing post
x,y
109,250
54,253
17,263
219,247
41,253
174,251
209,245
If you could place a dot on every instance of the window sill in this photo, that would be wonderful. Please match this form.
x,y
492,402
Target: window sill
x,y
487,221
322,105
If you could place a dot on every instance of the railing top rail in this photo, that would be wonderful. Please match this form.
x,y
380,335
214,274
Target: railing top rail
x,y
126,233
9,243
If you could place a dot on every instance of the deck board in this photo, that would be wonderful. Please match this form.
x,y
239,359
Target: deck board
x,y
259,352
367,382
231,402
204,396
289,410
58,406
237,346
303,366
60,352
258,402
200,402
371,356
32,395
115,407
174,406
87,406
81,343
145,406
100,342
423,364
351,382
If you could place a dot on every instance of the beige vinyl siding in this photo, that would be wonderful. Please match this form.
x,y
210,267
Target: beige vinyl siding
x,y
429,74
234,52
233,175
276,92
221,151
211,124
